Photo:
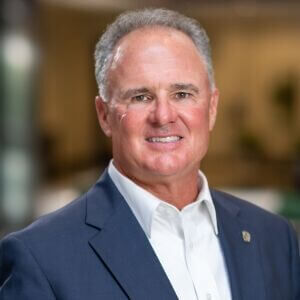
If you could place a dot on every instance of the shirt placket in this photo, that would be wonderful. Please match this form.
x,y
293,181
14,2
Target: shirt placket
x,y
203,281
168,222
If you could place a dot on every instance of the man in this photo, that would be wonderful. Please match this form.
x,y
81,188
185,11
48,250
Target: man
x,y
150,228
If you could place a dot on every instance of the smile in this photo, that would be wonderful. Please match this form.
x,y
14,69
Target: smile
x,y
165,139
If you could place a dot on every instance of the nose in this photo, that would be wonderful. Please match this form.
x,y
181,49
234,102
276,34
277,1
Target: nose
x,y
163,112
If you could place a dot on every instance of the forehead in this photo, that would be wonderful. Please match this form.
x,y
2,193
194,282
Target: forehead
x,y
156,56
152,40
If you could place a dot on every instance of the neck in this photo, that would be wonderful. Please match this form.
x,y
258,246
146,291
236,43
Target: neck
x,y
177,192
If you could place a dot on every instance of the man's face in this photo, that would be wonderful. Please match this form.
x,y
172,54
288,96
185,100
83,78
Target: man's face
x,y
161,108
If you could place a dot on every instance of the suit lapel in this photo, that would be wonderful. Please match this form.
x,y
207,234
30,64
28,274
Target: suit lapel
x,y
123,246
242,254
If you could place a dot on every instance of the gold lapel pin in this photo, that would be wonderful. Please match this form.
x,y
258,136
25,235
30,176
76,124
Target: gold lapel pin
x,y
246,236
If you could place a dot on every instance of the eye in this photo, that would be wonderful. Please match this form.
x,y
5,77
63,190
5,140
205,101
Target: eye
x,y
182,95
141,98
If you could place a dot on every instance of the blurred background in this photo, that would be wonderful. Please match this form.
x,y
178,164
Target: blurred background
x,y
51,147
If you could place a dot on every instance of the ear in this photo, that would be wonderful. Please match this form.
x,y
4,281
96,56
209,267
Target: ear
x,y
103,115
213,108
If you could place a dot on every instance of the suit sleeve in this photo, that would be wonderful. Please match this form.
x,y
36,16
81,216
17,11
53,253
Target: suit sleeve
x,y
20,275
295,264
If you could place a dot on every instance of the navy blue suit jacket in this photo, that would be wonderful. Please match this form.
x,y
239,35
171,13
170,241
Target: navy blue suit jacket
x,y
94,248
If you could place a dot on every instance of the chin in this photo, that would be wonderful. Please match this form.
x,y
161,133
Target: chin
x,y
166,167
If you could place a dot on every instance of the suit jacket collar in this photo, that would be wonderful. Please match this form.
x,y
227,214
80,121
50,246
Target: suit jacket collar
x,y
123,246
242,256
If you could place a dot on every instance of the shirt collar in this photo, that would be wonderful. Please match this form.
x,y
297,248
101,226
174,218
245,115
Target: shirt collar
x,y
143,204
205,196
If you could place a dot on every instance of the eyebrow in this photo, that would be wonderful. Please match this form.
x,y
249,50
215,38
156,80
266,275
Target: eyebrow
x,y
184,86
131,92
173,87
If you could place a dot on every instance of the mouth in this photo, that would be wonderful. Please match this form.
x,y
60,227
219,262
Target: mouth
x,y
164,139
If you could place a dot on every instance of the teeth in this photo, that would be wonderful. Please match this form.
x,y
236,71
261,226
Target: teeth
x,y
166,139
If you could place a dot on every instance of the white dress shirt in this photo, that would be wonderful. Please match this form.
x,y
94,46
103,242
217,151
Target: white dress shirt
x,y
185,242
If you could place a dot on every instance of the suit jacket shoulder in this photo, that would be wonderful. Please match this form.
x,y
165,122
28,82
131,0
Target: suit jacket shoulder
x,y
265,264
93,248
263,220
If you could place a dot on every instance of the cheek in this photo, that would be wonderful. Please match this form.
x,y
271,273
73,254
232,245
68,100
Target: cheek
x,y
196,119
128,121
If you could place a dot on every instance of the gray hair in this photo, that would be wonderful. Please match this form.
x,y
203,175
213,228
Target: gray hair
x,y
133,20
